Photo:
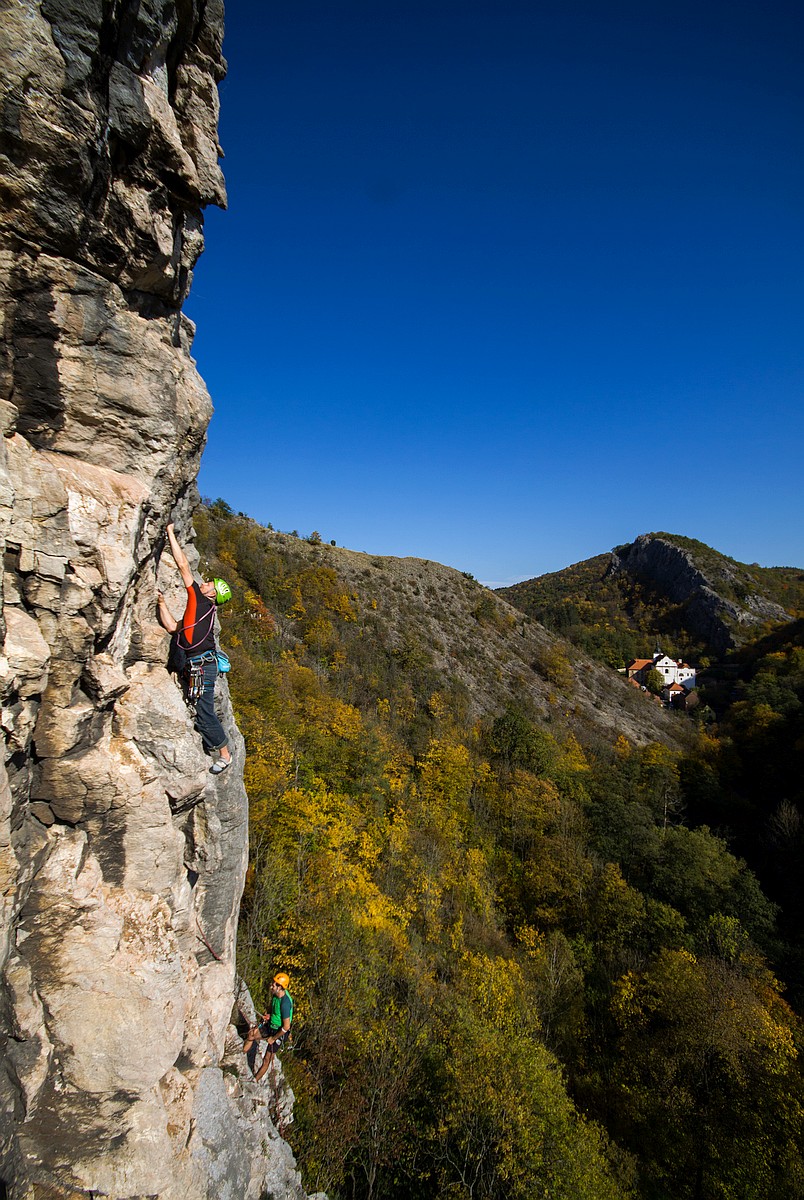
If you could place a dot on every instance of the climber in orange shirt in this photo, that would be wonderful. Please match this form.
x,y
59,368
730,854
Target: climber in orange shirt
x,y
195,646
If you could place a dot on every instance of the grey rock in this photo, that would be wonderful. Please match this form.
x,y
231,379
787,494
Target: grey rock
x,y
218,1141
26,654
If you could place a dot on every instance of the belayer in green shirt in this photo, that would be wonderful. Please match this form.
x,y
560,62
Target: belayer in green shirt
x,y
274,1028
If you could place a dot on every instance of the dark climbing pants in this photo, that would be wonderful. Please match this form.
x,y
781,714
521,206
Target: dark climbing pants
x,y
206,722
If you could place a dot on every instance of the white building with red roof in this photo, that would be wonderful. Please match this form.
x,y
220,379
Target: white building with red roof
x,y
672,670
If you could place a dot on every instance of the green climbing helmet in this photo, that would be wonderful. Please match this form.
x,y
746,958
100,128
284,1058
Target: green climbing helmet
x,y
222,591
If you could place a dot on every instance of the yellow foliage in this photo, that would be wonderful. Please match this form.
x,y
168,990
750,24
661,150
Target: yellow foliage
x,y
267,770
762,717
406,706
446,773
574,756
397,771
619,908
341,605
319,635
776,1038
495,985
473,883
297,609
531,941
399,836
556,667
526,804
375,871
258,611
336,717
378,914
437,707
624,1003
656,754
708,745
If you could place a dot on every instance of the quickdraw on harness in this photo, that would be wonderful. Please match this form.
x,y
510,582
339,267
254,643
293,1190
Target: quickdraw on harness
x,y
195,675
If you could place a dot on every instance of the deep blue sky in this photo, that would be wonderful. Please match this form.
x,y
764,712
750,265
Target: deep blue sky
x,y
506,284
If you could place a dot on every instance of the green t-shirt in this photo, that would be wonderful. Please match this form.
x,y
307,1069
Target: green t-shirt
x,y
281,1010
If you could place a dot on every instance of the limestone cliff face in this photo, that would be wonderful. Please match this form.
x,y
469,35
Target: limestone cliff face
x,y
674,572
121,859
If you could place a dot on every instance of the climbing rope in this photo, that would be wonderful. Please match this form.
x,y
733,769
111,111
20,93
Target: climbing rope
x,y
240,984
203,938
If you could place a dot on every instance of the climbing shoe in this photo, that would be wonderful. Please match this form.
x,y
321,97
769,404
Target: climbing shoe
x,y
220,765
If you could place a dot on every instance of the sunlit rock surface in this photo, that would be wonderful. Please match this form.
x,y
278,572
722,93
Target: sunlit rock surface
x,y
121,859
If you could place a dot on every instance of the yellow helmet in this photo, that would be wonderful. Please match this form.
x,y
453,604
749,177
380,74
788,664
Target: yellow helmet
x,y
282,979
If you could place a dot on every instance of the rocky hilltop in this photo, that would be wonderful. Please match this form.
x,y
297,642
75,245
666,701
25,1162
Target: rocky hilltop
x,y
720,604
662,587
122,860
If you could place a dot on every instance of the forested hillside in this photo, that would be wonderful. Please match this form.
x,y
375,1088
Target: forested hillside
x,y
747,778
521,966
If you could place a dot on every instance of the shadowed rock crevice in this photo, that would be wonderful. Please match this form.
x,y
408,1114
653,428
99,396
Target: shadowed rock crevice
x,y
32,354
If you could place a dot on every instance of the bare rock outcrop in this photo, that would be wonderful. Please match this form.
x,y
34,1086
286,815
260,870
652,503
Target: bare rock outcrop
x,y
717,617
121,859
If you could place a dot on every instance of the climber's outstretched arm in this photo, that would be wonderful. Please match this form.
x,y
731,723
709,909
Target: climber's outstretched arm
x,y
179,557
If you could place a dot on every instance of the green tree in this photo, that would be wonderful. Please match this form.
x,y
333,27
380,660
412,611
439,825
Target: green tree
x,y
705,1071
506,1127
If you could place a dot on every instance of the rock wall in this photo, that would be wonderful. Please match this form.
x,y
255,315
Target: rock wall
x,y
673,572
122,859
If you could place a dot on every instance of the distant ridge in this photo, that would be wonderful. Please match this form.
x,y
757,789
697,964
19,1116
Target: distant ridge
x,y
666,587
439,623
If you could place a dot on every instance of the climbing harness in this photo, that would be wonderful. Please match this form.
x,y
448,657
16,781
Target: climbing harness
x,y
195,663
